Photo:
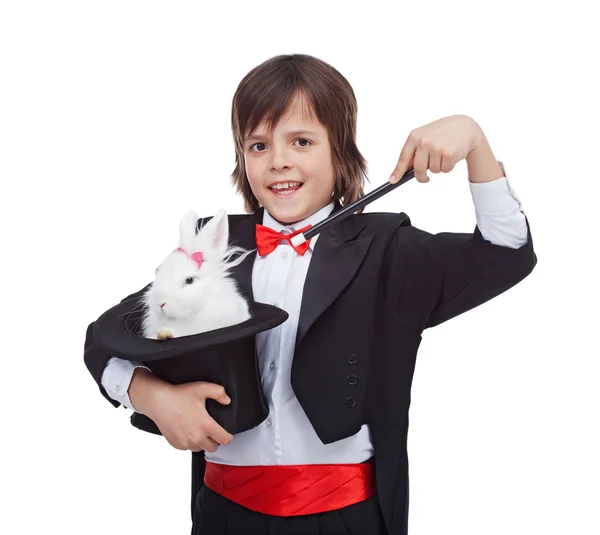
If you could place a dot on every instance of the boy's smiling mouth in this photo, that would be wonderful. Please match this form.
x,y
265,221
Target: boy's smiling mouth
x,y
285,188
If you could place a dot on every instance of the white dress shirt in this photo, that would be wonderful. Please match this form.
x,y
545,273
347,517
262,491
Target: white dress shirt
x,y
286,436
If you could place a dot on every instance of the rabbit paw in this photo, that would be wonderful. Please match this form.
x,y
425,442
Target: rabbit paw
x,y
164,334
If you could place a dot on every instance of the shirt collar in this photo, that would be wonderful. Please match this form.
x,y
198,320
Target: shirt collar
x,y
312,220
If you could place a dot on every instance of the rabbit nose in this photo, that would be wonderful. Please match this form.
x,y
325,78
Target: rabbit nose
x,y
162,304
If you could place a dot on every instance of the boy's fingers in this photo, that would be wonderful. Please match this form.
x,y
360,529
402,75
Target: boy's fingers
x,y
216,392
421,165
208,444
213,429
405,160
218,434
224,399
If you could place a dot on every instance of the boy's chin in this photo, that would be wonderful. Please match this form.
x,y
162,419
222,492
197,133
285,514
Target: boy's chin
x,y
287,215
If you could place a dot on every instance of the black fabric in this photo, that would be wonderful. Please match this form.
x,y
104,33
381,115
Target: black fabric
x,y
216,515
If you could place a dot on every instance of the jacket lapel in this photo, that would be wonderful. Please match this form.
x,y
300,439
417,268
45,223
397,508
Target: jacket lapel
x,y
336,257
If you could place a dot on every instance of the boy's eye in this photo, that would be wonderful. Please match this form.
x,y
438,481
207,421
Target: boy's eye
x,y
257,144
305,143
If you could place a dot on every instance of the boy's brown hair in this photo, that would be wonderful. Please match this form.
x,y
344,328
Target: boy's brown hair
x,y
265,94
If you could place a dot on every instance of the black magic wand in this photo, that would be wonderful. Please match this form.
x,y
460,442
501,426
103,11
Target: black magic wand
x,y
351,208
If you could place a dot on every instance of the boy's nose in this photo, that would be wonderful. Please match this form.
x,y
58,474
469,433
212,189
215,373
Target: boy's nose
x,y
279,159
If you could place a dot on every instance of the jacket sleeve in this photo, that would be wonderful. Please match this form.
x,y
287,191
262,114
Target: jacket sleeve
x,y
470,270
431,278
95,359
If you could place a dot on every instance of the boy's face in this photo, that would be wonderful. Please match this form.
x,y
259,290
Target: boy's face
x,y
297,158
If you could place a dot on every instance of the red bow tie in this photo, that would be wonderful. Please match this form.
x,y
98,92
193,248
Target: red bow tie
x,y
268,239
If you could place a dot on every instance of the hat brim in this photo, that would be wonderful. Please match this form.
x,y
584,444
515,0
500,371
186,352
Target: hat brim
x,y
116,332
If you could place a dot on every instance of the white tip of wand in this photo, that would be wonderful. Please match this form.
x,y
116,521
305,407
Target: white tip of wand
x,y
299,239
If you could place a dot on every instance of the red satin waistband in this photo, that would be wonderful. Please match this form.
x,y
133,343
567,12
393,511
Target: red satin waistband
x,y
292,490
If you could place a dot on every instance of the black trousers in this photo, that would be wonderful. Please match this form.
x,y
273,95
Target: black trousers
x,y
216,515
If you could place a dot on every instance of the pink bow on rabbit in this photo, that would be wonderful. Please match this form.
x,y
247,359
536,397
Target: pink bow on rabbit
x,y
195,256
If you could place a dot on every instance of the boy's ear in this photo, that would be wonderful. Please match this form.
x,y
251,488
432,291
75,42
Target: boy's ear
x,y
217,231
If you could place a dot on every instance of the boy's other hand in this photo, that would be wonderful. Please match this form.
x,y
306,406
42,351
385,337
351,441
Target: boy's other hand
x,y
438,147
179,411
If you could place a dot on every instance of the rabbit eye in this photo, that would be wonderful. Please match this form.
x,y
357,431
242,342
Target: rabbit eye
x,y
189,280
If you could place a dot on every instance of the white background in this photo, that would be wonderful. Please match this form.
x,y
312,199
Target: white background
x,y
115,120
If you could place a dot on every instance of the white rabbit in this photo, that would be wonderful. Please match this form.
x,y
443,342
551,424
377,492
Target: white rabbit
x,y
192,291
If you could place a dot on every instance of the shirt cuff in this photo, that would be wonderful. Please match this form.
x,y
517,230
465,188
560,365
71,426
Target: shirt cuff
x,y
495,198
116,379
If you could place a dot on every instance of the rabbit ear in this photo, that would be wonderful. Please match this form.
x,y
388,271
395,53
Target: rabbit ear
x,y
187,230
217,231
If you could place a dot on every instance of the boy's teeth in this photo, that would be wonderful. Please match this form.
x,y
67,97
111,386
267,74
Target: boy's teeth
x,y
285,185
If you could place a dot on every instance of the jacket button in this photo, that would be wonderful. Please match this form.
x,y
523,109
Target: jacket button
x,y
352,380
351,358
351,402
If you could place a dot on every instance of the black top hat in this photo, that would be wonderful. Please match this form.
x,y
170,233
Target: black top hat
x,y
225,356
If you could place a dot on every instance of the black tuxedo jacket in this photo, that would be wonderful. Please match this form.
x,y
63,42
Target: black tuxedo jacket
x,y
374,284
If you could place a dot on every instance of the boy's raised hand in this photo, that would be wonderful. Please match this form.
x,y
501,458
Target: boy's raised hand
x,y
179,411
438,146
